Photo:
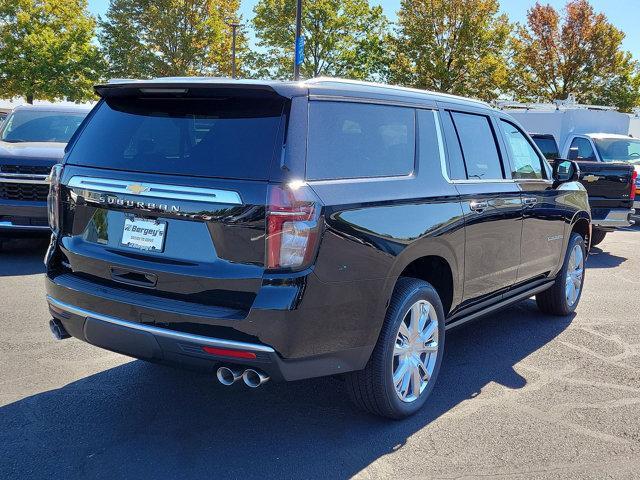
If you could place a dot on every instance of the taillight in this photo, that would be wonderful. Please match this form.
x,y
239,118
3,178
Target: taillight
x,y
53,199
293,214
634,179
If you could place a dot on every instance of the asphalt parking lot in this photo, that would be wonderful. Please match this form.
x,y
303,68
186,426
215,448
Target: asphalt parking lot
x,y
520,395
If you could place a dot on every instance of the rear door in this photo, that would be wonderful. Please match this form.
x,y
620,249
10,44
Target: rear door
x,y
543,214
491,203
166,196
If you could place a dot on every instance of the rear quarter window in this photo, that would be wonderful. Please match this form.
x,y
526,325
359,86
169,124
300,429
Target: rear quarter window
x,y
355,140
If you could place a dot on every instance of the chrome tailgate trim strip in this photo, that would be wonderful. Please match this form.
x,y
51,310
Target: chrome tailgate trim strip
x,y
156,190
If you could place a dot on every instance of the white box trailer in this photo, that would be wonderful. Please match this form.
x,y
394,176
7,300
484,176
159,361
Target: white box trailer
x,y
634,124
598,139
565,119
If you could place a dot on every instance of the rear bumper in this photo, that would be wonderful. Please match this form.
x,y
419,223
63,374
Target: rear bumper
x,y
104,322
612,219
23,217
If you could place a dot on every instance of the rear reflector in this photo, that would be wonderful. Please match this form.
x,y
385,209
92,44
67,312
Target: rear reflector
x,y
223,352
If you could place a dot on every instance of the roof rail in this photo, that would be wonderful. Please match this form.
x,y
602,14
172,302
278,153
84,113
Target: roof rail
x,y
346,81
568,104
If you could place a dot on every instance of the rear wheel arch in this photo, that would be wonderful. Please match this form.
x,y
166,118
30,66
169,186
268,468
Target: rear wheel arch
x,y
435,270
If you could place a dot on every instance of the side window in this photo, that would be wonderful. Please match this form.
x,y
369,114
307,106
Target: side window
x,y
428,145
456,162
527,163
581,149
479,147
356,140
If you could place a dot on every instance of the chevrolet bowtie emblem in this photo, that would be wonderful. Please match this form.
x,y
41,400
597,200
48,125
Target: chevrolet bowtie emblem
x,y
590,178
137,189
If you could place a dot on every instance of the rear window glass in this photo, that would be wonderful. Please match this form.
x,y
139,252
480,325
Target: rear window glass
x,y
547,146
457,169
352,140
478,146
226,137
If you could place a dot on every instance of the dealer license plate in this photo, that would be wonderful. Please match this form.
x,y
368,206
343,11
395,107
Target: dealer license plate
x,y
144,233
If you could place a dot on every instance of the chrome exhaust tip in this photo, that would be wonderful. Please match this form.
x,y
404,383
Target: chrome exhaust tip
x,y
254,378
57,329
228,376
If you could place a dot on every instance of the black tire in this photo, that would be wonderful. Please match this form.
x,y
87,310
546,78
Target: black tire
x,y
597,236
554,300
372,389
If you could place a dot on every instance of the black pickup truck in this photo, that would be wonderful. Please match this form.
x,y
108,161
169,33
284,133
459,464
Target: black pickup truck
x,y
32,140
611,185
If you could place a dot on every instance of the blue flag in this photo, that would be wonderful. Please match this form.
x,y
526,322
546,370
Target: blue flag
x,y
299,50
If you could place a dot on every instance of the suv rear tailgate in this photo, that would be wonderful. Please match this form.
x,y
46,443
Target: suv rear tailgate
x,y
212,253
165,197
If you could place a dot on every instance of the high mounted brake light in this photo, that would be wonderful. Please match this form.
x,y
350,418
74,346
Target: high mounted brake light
x,y
293,214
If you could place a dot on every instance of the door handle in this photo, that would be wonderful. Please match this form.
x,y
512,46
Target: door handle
x,y
478,206
530,201
132,277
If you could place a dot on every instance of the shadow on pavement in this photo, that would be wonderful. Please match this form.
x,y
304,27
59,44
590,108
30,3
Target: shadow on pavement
x,y
22,256
144,421
599,258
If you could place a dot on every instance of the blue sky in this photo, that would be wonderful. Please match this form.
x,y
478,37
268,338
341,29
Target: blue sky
x,y
625,14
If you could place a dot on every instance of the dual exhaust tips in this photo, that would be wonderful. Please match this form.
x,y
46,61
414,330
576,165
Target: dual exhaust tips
x,y
251,378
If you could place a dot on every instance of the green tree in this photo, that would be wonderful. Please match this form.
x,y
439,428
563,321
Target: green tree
x,y
343,38
47,50
150,38
453,46
575,51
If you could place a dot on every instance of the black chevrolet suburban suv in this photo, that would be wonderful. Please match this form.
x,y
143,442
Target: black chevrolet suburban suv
x,y
32,140
293,230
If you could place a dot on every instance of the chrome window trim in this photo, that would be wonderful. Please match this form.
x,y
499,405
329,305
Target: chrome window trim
x,y
10,225
156,190
488,180
409,176
441,151
23,178
372,101
161,332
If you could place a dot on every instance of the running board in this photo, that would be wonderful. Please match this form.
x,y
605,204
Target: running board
x,y
498,306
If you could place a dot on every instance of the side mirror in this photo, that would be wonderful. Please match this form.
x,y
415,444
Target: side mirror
x,y
565,171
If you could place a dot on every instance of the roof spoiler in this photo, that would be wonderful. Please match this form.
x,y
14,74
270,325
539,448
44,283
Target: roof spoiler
x,y
193,87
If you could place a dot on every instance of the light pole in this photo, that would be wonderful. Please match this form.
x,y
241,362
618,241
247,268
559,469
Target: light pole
x,y
299,47
234,27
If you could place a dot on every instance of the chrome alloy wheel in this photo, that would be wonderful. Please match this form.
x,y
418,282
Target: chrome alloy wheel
x,y
575,272
415,351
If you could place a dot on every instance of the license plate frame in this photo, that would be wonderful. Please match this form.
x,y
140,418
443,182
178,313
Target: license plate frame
x,y
138,233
